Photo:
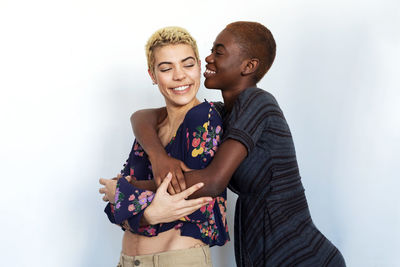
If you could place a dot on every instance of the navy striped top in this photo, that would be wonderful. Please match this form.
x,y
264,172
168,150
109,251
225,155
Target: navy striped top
x,y
273,226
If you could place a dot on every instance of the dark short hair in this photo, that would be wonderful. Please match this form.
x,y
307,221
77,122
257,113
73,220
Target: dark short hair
x,y
256,41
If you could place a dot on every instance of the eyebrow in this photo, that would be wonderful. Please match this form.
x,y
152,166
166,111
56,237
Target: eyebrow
x,y
183,60
219,45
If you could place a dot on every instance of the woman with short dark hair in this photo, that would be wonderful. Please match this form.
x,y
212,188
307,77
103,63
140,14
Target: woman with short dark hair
x,y
273,226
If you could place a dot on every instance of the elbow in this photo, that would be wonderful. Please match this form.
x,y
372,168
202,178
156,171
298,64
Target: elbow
x,y
133,118
135,115
216,191
215,185
215,181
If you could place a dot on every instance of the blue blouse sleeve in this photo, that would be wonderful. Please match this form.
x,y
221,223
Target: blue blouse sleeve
x,y
127,212
203,136
130,202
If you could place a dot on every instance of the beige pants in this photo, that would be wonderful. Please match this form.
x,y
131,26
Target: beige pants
x,y
192,257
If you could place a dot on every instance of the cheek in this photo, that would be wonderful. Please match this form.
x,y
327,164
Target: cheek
x,y
162,79
195,75
162,86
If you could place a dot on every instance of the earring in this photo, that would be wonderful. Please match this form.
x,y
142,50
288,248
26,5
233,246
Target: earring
x,y
154,83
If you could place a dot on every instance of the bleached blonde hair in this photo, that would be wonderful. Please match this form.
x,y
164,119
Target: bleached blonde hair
x,y
168,36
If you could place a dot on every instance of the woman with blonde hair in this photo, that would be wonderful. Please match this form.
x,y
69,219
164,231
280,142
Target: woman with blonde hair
x,y
189,131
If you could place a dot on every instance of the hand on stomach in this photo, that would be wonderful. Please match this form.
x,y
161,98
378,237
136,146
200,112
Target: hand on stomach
x,y
135,245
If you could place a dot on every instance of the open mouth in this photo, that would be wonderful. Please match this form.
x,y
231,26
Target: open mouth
x,y
181,89
209,73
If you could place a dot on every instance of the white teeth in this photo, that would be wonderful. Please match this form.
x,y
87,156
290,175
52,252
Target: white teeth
x,y
210,71
181,88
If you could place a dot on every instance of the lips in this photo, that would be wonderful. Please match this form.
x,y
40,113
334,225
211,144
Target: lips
x,y
181,89
209,73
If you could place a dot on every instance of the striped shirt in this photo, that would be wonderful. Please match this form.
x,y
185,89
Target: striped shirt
x,y
273,226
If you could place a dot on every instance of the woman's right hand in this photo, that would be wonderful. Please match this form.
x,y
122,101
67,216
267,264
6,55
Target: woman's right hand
x,y
164,164
168,208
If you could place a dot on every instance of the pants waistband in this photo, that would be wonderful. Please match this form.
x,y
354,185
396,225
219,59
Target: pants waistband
x,y
198,256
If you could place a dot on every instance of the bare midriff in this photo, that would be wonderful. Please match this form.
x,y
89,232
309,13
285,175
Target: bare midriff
x,y
135,245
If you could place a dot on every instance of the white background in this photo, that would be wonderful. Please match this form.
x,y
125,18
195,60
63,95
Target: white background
x,y
72,72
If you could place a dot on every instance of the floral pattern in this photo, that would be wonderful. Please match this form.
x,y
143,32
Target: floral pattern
x,y
137,204
139,151
222,207
195,143
205,140
119,197
148,230
208,229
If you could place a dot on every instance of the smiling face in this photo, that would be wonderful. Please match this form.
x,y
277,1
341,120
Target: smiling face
x,y
224,64
177,73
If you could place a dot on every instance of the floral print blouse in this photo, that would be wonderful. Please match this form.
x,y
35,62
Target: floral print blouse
x,y
194,143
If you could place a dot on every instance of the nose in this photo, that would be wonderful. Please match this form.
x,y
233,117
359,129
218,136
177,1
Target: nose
x,y
210,58
179,74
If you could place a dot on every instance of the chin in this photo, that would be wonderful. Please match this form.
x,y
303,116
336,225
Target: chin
x,y
182,102
210,86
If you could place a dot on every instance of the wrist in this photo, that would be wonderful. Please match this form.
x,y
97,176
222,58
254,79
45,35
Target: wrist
x,y
157,155
147,217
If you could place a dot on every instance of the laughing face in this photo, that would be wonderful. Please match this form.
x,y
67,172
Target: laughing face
x,y
224,63
177,73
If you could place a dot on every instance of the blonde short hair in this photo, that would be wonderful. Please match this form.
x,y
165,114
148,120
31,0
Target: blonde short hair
x,y
168,36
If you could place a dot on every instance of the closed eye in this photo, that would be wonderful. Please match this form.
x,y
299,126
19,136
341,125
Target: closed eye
x,y
216,51
164,70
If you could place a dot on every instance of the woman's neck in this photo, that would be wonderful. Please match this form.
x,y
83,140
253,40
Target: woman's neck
x,y
230,96
175,116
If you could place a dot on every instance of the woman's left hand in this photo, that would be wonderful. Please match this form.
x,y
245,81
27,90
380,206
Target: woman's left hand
x,y
168,208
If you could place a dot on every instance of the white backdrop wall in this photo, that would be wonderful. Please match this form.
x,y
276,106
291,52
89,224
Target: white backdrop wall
x,y
72,72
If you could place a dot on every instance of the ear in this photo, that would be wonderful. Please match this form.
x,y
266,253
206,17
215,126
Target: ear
x,y
250,66
152,76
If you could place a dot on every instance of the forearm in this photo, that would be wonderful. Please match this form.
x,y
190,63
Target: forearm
x,y
217,175
205,176
214,181
145,185
144,125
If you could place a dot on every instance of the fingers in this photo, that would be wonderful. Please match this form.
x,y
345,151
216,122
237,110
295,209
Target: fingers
x,y
185,168
181,180
158,181
185,194
175,185
189,210
198,201
128,178
164,185
103,190
102,181
119,176
190,206
171,190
